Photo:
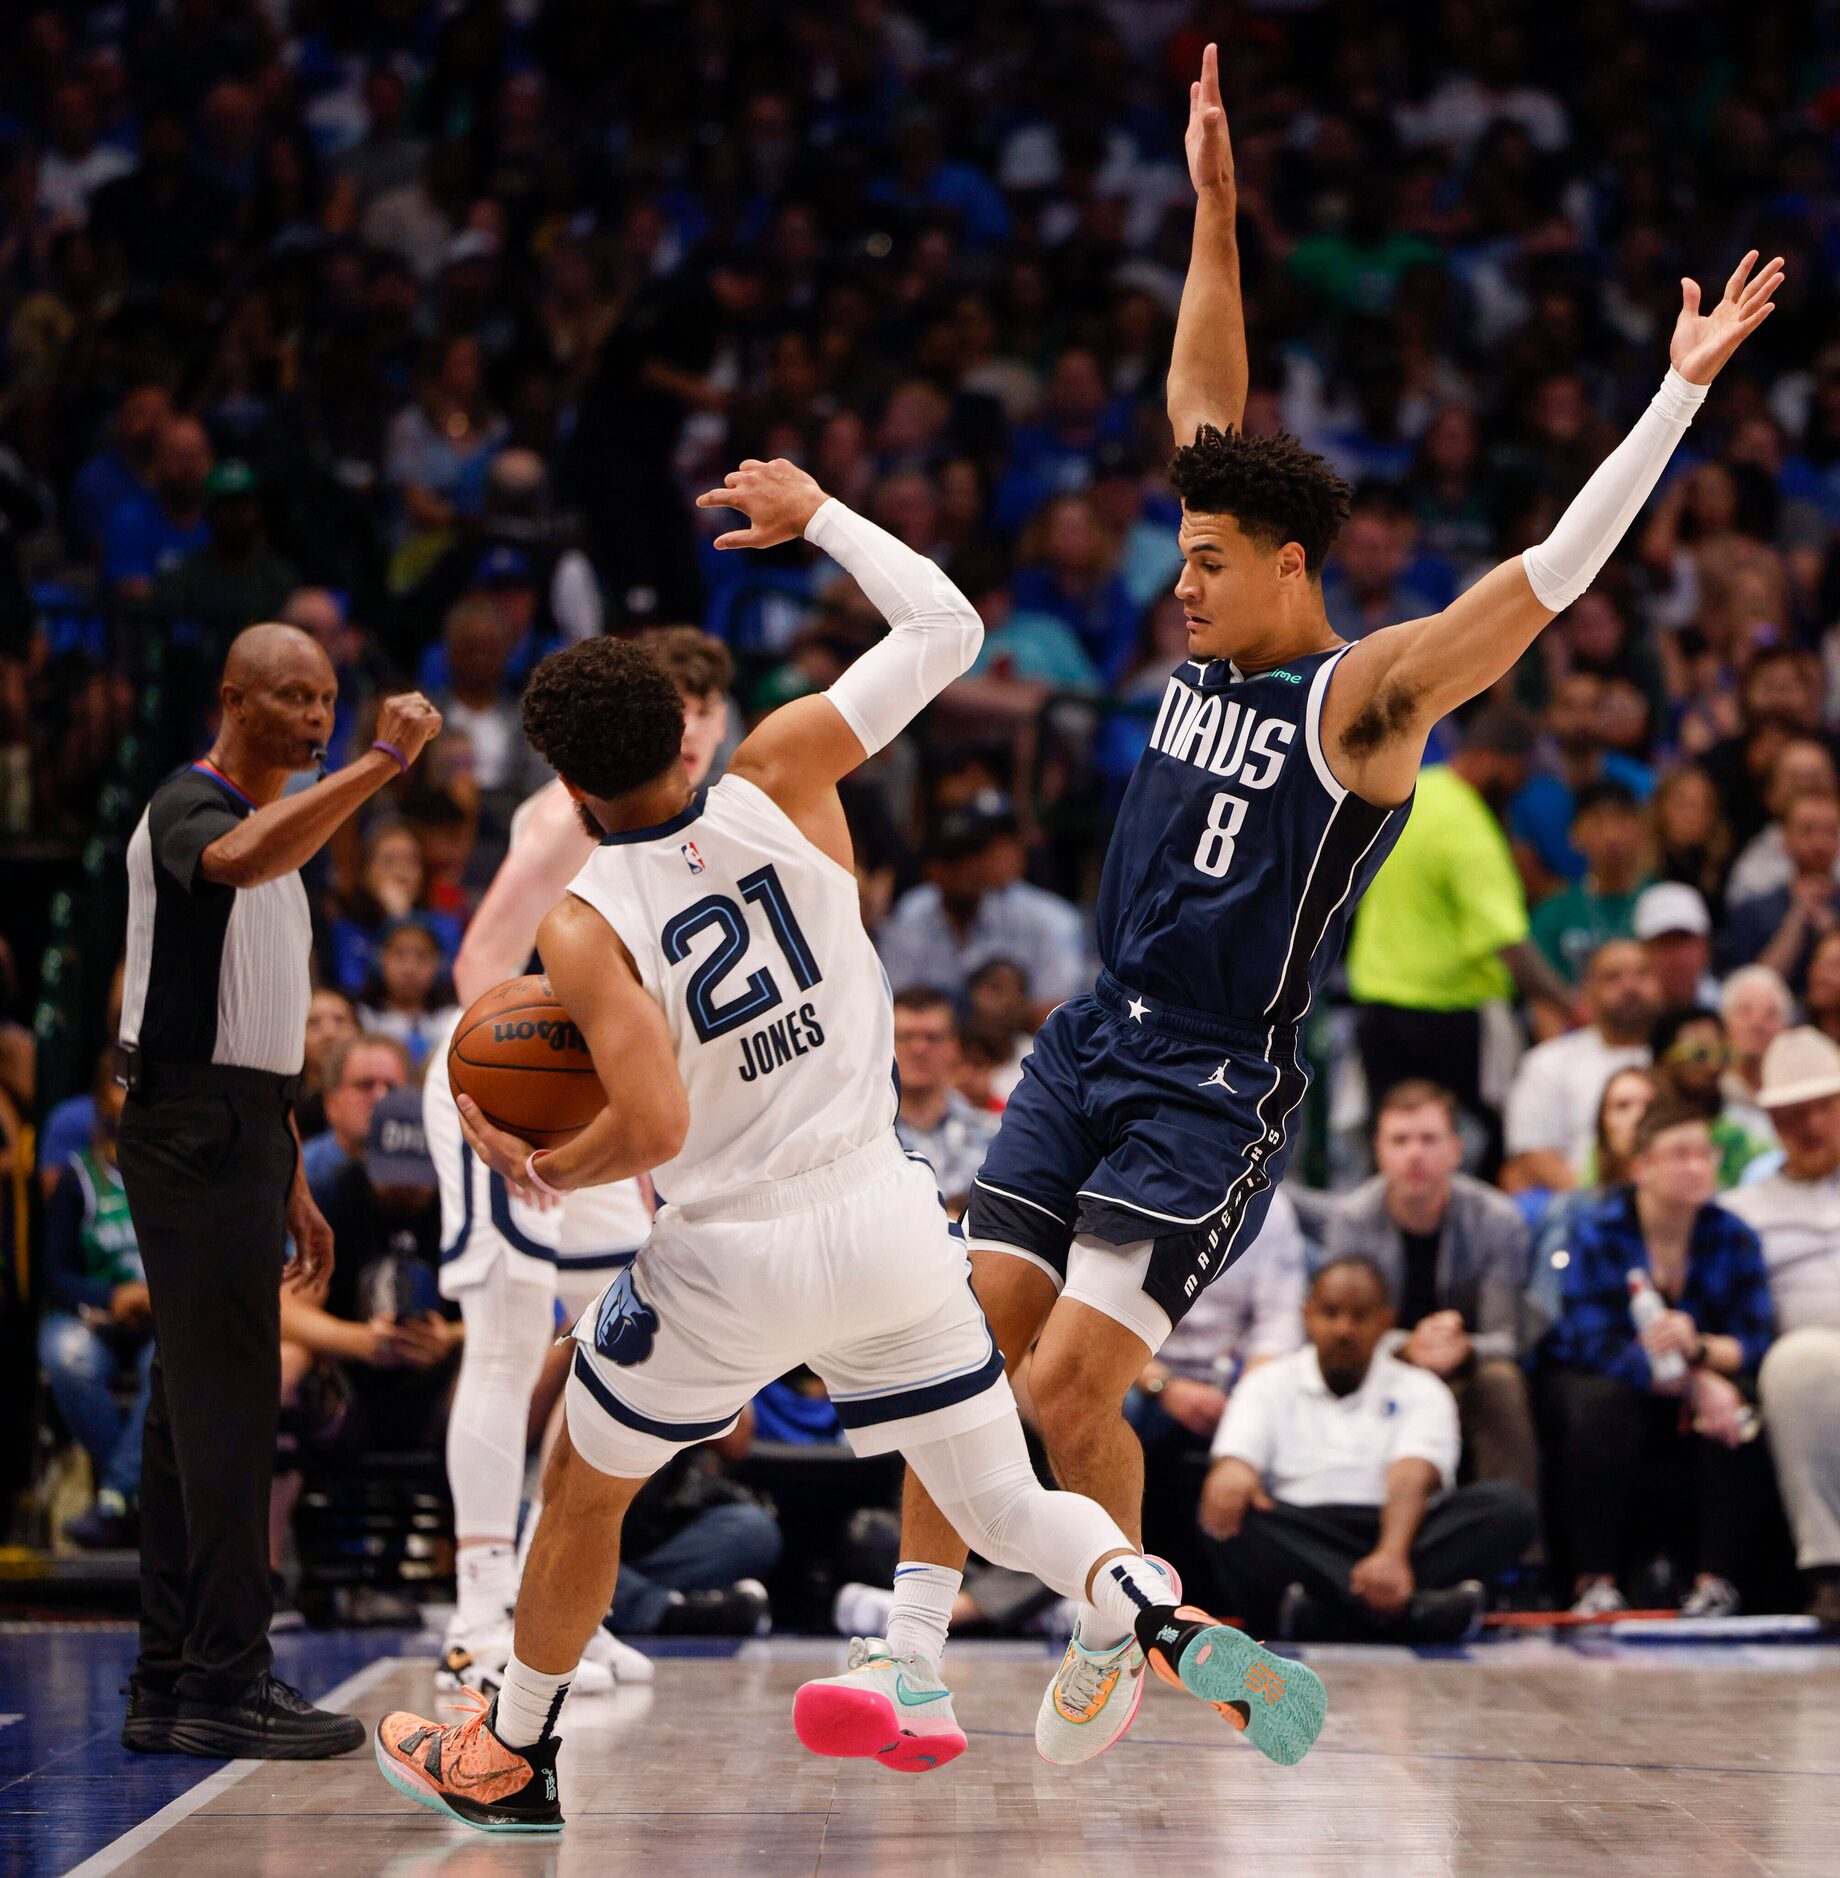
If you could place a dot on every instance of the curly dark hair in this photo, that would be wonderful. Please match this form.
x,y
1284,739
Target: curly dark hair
x,y
1272,486
606,715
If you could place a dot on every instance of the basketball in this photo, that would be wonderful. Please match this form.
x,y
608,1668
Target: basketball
x,y
518,1054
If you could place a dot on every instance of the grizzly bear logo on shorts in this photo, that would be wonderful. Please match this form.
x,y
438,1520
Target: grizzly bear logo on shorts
x,y
625,1326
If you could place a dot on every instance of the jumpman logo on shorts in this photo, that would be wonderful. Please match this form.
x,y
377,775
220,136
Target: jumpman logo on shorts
x,y
1219,1081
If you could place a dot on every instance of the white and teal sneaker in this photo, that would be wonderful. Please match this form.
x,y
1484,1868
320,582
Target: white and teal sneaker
x,y
891,1709
1094,1695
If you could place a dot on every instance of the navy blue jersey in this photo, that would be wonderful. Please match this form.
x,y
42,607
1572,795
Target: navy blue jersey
x,y
1237,858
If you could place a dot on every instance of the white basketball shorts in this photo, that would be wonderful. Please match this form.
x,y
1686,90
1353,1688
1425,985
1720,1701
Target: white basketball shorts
x,y
852,1270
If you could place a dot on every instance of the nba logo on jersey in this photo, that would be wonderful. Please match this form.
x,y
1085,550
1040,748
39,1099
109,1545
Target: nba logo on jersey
x,y
692,859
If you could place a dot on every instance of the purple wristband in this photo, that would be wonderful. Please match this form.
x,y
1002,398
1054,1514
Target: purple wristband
x,y
389,749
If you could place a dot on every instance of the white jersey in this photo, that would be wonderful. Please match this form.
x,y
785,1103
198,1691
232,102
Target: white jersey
x,y
751,940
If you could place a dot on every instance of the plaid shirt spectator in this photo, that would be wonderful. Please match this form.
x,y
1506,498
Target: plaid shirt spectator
x,y
1727,1290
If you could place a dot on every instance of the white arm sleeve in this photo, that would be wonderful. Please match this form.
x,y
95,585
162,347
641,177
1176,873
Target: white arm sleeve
x,y
933,631
1562,566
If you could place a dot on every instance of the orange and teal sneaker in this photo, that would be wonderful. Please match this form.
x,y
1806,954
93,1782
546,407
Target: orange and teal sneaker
x,y
464,1770
1277,1703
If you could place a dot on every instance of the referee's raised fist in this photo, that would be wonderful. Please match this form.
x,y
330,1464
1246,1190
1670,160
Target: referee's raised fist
x,y
409,721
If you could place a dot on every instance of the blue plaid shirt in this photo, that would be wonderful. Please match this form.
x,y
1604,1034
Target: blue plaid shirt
x,y
1727,1291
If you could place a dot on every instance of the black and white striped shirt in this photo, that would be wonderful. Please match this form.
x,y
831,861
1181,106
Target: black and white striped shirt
x,y
215,974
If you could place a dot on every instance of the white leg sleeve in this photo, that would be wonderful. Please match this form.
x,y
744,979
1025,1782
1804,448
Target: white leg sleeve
x,y
933,631
982,1482
509,1327
1562,566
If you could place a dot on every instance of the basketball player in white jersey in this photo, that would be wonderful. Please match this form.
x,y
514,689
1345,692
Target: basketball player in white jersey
x,y
507,1262
713,954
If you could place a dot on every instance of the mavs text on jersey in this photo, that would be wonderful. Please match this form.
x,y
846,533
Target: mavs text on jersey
x,y
1157,1109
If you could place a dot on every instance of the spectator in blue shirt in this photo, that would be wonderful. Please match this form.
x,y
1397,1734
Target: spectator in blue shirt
x,y
1574,758
360,1072
154,531
1060,453
1621,1427
121,470
926,182
1069,574
1369,582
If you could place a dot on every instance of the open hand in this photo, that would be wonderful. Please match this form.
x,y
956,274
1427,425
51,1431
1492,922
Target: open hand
x,y
1210,150
778,498
1704,341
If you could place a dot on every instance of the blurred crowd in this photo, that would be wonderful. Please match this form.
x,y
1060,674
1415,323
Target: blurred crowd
x,y
418,324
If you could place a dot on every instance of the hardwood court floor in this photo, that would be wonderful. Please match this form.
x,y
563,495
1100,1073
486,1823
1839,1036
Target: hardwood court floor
x,y
1520,1757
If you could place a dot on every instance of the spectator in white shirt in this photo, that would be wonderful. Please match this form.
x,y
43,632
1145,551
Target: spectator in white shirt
x,y
1552,1106
1796,1213
1330,1504
976,907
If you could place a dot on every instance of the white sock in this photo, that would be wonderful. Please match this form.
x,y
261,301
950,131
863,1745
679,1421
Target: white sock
x,y
486,1581
1122,1587
922,1610
528,1704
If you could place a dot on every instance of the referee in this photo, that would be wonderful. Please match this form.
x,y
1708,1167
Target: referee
x,y
213,1032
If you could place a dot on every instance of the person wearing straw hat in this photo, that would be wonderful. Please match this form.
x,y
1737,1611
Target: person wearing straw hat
x,y
1796,1214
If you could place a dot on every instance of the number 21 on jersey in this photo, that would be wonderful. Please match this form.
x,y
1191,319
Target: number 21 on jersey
x,y
1226,814
713,1012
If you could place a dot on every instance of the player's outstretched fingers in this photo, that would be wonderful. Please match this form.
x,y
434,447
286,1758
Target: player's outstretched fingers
x,y
1735,285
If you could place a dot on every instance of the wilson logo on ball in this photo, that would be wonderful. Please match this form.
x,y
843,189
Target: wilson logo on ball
x,y
559,1037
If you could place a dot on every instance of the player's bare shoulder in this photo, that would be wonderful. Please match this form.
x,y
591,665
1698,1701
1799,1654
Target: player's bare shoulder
x,y
575,938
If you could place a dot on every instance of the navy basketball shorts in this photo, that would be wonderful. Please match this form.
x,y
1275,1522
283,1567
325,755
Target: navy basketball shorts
x,y
1137,1155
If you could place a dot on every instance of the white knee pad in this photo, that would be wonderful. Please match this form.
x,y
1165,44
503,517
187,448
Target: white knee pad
x,y
982,1482
509,1328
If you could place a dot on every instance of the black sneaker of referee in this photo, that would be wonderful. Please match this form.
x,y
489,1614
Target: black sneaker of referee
x,y
147,1728
270,1721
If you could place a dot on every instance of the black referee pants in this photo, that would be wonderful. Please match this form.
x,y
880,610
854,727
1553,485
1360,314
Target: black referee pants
x,y
207,1167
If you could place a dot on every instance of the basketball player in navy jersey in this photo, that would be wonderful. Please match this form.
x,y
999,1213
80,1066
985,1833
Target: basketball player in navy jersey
x,y
1137,1155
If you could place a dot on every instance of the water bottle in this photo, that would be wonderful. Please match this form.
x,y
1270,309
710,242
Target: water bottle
x,y
1645,1306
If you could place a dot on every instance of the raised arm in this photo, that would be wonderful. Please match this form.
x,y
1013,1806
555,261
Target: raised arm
x,y
1207,368
1396,683
800,752
285,835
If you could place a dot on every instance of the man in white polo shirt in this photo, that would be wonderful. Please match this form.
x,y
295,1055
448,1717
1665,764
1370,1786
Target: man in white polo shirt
x,y
1796,1213
1330,1508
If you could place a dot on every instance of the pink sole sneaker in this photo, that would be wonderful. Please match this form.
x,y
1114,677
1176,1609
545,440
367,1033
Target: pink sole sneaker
x,y
857,1724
